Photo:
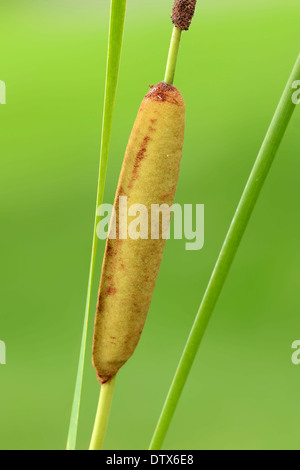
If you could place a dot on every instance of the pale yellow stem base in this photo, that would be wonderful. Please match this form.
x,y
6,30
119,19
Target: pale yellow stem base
x,y
102,416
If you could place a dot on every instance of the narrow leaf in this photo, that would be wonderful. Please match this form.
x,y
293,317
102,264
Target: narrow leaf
x,y
117,20
275,134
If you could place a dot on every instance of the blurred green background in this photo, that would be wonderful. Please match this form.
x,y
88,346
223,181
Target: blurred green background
x,y
243,392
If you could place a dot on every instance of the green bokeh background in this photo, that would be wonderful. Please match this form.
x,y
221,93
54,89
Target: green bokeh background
x,y
243,391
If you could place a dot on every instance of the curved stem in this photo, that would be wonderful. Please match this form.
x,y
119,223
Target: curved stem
x,y
173,54
238,226
102,415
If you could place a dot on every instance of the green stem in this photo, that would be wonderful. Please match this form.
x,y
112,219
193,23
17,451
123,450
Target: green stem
x,y
239,223
102,415
173,54
117,19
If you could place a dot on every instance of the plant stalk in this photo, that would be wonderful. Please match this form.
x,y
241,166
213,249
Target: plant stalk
x,y
102,415
116,29
173,55
233,239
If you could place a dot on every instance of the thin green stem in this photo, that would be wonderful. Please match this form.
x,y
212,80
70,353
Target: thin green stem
x,y
239,223
173,54
116,29
102,415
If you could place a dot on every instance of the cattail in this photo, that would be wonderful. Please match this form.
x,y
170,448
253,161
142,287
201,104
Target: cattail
x,y
131,265
130,268
149,177
182,13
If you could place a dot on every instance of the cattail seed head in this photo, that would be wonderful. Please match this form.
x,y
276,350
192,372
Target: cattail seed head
x,y
182,13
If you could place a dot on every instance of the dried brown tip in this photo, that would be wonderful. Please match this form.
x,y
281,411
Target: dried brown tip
x,y
163,92
103,380
182,13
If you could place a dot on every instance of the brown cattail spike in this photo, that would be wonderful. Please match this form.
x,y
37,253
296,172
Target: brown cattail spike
x,y
182,13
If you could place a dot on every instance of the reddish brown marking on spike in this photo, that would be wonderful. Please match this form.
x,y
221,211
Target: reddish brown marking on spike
x,y
163,92
137,307
111,290
141,152
101,300
139,158
109,248
121,191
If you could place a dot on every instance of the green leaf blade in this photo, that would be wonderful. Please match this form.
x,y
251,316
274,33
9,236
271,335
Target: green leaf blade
x,y
229,249
116,30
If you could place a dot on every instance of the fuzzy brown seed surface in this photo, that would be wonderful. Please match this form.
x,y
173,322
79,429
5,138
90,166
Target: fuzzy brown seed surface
x,y
182,13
